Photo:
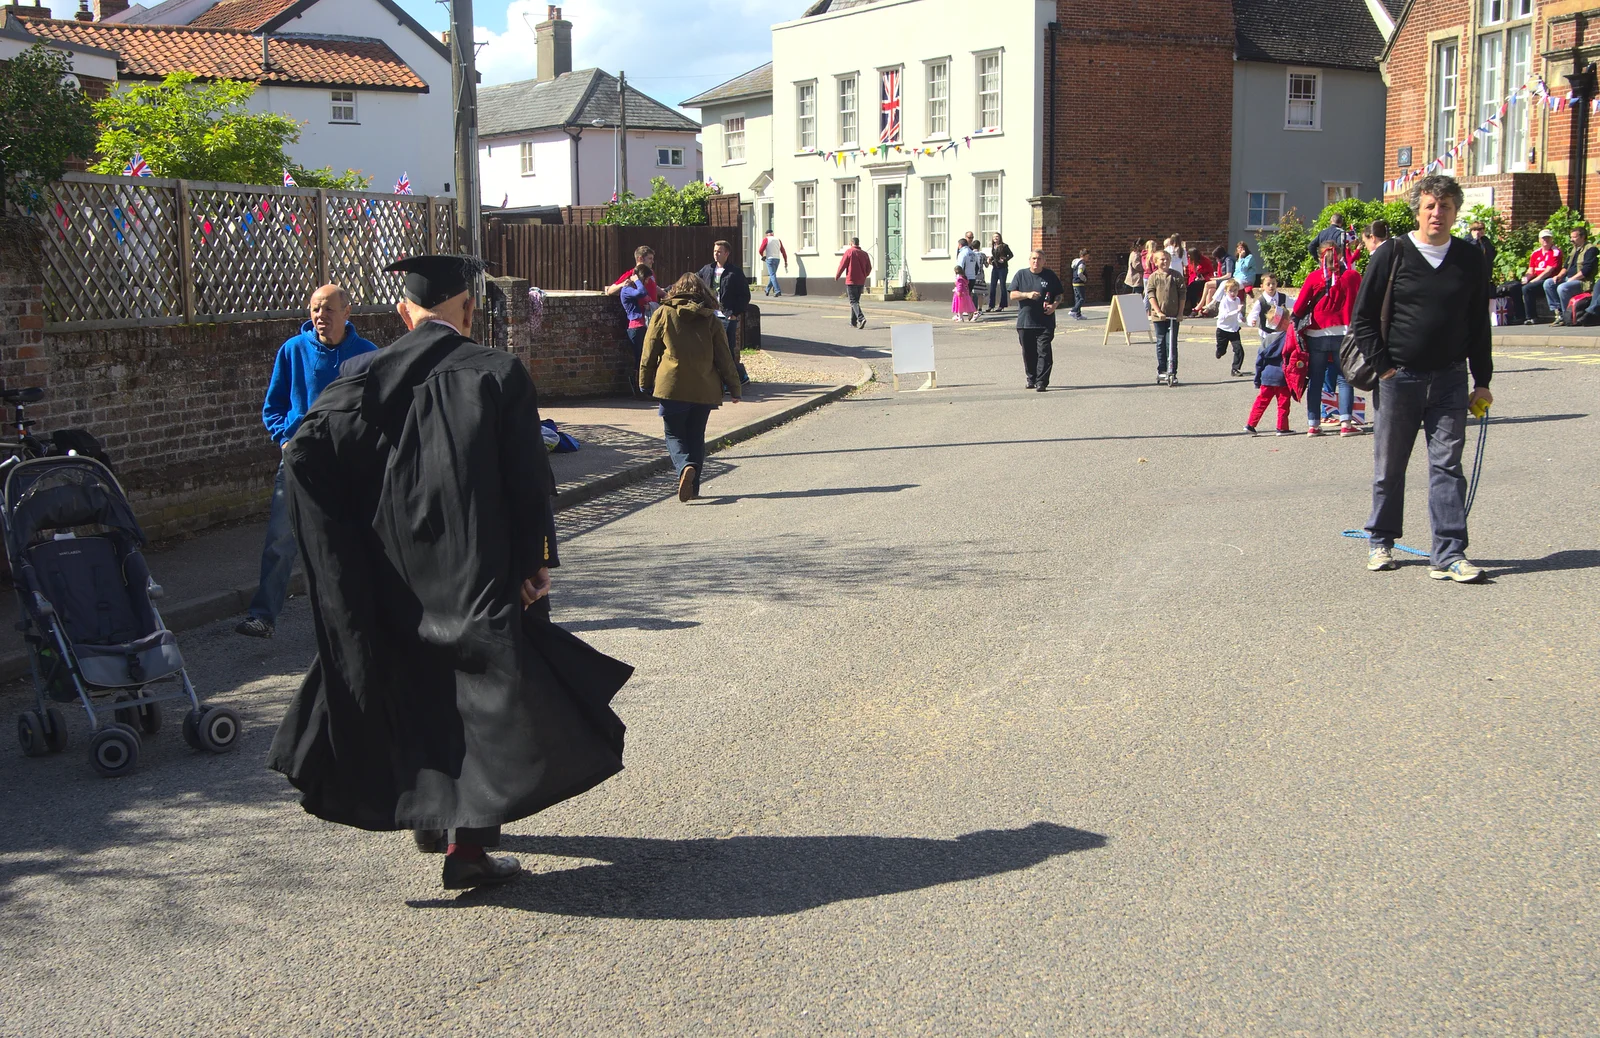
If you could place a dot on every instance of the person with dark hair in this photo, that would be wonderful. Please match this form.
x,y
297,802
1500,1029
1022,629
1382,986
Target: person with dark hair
x,y
1374,235
1326,297
1246,270
1221,272
1163,298
732,290
1133,280
1578,276
1000,257
854,266
769,251
1080,283
1438,331
1478,238
441,699
685,365
1335,232
1037,292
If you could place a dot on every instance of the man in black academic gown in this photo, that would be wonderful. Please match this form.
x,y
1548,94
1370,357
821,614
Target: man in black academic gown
x,y
441,699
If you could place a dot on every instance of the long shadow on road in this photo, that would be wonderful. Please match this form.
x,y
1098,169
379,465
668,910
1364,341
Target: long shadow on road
x,y
753,876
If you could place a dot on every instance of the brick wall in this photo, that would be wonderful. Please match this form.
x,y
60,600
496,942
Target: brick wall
x,y
581,346
1134,156
179,406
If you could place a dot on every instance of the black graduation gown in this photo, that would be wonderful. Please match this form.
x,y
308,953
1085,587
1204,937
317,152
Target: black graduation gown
x,y
419,490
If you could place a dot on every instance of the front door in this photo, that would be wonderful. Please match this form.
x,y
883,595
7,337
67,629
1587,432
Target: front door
x,y
893,234
763,226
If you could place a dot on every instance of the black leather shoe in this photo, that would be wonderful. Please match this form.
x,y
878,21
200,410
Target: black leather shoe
x,y
485,871
1041,387
431,841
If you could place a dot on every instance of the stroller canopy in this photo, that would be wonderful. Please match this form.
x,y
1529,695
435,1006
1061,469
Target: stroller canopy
x,y
61,493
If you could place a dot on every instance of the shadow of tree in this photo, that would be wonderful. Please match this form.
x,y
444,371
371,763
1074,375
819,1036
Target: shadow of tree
x,y
754,876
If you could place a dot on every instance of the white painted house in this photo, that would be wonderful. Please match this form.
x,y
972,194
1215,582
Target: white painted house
x,y
368,84
557,139
905,123
736,132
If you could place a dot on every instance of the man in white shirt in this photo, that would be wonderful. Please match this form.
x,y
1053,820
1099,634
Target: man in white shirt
x,y
771,250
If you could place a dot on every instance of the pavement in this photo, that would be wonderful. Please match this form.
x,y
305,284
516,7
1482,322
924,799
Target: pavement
x,y
966,711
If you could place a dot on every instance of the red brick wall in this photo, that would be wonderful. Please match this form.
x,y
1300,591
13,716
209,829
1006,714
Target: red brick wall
x,y
1134,158
179,406
581,347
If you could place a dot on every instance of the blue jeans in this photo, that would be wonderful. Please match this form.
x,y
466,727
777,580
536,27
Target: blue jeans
x,y
1436,402
1166,346
730,325
772,278
1558,296
686,435
636,343
1077,300
277,557
1325,365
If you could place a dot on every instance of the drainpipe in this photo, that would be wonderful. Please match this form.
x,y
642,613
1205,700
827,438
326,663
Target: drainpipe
x,y
1050,108
575,134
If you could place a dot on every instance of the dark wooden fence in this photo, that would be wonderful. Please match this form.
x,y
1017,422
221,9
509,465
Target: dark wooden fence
x,y
590,257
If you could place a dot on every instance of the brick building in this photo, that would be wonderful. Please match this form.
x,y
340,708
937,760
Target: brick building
x,y
1452,64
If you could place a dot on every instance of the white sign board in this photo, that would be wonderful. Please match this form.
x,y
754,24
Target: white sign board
x,y
912,347
1127,315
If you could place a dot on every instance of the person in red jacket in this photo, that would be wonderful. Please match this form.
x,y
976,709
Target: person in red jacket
x,y
854,266
1328,296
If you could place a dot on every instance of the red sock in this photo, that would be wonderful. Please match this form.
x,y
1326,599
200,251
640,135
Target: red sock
x,y
464,851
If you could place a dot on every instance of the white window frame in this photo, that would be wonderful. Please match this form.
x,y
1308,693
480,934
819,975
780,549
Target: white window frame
x,y
1444,98
937,108
932,248
1251,223
1493,12
1521,9
1515,125
849,137
805,215
730,134
986,233
805,121
848,196
669,164
1489,91
525,158
1291,75
1329,187
342,106
978,92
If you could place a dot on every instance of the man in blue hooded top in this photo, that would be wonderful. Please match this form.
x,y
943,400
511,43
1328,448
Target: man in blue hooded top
x,y
305,365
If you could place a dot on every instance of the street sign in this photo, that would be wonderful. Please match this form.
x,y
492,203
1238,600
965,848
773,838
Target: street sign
x,y
1127,316
912,347
1402,158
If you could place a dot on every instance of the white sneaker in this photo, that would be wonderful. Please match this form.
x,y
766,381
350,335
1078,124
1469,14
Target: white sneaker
x,y
1381,558
1461,571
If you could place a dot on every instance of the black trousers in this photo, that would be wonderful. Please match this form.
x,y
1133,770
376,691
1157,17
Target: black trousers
x,y
853,293
485,836
1037,356
998,295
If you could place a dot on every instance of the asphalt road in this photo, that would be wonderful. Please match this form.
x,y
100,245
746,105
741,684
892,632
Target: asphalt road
x,y
973,711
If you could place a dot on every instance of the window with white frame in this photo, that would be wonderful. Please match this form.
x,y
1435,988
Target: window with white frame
x,y
1304,110
807,211
848,193
733,138
1332,192
805,110
1265,210
847,112
344,106
938,99
525,158
988,185
1521,8
1491,66
1494,11
1519,65
937,215
669,157
1446,70
988,92
1504,63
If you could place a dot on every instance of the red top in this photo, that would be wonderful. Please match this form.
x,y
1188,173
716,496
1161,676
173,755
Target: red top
x,y
1544,261
1201,269
651,293
1333,307
855,265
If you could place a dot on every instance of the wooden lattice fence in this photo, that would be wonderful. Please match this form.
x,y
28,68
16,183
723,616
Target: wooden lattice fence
x,y
120,251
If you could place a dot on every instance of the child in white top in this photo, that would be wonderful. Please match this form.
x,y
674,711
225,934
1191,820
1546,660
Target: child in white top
x,y
1230,314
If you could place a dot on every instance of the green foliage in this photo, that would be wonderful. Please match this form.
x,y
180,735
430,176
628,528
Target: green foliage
x,y
44,120
203,132
1283,249
665,206
1514,246
1357,214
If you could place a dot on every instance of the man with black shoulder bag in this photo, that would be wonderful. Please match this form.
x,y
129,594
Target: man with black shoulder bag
x,y
1421,322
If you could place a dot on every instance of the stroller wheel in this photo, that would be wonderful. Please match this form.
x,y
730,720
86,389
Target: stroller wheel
x,y
191,729
55,730
30,733
219,728
114,750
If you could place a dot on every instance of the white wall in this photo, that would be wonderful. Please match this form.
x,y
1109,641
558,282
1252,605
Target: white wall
x,y
597,160
384,142
96,65
738,176
418,138
500,170
864,40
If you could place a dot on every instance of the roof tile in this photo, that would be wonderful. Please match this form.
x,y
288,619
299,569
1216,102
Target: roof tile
x,y
1325,34
242,14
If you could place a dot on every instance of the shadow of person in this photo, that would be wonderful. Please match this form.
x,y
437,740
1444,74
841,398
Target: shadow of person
x,y
1572,558
753,876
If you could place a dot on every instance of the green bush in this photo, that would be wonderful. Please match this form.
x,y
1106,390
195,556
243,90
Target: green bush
x,y
1514,246
664,206
1357,214
1283,249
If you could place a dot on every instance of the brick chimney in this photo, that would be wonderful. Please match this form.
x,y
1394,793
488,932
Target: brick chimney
x,y
104,9
32,10
554,39
83,14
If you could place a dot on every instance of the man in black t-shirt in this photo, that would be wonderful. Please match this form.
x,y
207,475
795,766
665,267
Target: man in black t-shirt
x,y
1036,291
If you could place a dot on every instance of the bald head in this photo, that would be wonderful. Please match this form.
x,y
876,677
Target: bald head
x,y
330,310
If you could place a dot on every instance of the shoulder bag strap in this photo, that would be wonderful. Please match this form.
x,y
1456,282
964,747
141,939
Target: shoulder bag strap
x,y
1386,315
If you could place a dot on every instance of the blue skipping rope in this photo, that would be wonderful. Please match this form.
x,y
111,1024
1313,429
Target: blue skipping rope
x,y
1472,489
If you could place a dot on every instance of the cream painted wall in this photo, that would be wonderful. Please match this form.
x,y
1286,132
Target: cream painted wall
x,y
908,33
738,176
500,166
500,170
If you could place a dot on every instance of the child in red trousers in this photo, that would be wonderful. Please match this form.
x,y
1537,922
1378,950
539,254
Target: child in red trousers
x,y
1270,377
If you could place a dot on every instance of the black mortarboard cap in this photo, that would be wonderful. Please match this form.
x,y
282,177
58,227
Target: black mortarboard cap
x,y
430,280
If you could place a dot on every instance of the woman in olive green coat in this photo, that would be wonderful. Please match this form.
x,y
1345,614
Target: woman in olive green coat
x,y
685,364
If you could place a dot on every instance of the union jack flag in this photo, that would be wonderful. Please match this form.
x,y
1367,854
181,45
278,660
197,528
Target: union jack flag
x,y
137,167
403,185
889,115
288,179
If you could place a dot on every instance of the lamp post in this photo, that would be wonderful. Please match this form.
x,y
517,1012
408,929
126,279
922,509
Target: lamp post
x,y
1584,88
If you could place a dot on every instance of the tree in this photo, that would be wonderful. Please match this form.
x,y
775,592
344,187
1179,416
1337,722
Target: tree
x,y
665,206
204,132
44,121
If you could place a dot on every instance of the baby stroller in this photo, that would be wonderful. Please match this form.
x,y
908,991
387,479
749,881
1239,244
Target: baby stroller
x,y
91,628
